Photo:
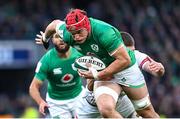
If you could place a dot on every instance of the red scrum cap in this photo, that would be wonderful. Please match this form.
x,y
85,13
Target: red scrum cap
x,y
76,20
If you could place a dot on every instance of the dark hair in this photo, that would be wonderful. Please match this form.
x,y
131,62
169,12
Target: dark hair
x,y
127,38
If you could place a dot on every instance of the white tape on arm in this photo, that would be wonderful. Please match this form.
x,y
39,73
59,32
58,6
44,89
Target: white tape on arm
x,y
105,90
94,73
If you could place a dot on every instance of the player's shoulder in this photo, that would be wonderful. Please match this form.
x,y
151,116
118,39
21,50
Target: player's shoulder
x,y
140,55
137,52
67,37
50,53
75,52
100,27
47,56
60,25
98,24
63,32
60,28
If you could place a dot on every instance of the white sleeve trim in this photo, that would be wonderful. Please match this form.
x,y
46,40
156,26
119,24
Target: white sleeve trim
x,y
141,58
111,54
143,64
38,67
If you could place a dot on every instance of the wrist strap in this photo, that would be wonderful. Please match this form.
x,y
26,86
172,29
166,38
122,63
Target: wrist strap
x,y
45,44
45,41
94,73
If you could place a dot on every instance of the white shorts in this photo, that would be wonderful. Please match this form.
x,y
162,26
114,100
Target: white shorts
x,y
87,110
124,106
131,77
63,108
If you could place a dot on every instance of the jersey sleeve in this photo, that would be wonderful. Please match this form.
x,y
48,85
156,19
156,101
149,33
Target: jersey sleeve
x,y
141,58
59,28
110,40
41,71
63,33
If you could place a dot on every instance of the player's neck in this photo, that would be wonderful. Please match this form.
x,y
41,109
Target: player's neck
x,y
64,55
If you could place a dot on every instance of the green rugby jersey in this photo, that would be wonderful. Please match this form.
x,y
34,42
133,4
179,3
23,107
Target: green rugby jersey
x,y
63,79
103,40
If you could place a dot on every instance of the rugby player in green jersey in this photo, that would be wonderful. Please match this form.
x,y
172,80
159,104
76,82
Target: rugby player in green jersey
x,y
144,62
94,37
86,106
64,83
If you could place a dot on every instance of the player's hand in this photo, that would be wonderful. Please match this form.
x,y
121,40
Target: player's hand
x,y
93,74
40,40
89,75
85,74
156,67
42,106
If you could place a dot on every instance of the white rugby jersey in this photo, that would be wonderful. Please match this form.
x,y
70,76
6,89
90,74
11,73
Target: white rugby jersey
x,y
141,58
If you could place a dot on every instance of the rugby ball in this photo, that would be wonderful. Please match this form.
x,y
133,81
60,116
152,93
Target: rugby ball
x,y
81,63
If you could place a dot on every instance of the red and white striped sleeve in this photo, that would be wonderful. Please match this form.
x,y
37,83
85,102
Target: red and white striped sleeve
x,y
141,59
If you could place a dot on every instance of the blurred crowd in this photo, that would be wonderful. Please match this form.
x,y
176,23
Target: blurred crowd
x,y
20,107
154,24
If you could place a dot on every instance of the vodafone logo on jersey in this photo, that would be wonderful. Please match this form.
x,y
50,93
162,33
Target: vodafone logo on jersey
x,y
67,78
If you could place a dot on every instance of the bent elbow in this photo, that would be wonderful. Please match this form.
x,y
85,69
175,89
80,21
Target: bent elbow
x,y
56,21
30,89
52,26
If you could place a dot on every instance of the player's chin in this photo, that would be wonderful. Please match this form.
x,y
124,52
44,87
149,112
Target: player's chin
x,y
62,49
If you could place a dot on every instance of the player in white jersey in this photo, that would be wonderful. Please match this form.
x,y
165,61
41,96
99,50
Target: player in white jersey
x,y
87,107
144,61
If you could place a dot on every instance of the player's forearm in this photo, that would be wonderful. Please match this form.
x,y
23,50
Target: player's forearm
x,y
50,29
90,84
160,72
122,61
115,67
35,94
154,68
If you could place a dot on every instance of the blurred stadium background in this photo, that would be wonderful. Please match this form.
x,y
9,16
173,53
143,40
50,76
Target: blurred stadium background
x,y
155,25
